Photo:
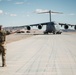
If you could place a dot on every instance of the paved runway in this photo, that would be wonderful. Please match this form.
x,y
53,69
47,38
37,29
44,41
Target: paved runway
x,y
42,55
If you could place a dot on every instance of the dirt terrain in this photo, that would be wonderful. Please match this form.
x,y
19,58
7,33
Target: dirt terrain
x,y
16,37
40,54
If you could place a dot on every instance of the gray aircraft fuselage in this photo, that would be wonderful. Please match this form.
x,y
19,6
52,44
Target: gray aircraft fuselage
x,y
50,28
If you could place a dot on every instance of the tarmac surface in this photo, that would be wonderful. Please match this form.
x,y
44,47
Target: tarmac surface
x,y
41,55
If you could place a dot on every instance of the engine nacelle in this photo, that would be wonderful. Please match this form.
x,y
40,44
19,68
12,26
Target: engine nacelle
x,y
66,26
39,27
75,27
28,28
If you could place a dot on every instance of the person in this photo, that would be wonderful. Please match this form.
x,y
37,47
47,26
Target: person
x,y
2,46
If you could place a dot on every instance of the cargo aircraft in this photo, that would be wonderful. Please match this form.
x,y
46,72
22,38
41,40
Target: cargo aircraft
x,y
51,27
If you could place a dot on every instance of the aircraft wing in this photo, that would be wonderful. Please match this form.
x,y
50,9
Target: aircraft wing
x,y
66,26
39,24
27,26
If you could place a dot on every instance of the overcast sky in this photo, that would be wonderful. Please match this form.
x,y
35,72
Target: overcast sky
x,y
23,12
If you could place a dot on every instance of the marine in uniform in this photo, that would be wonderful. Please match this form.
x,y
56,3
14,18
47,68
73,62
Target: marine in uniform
x,y
2,46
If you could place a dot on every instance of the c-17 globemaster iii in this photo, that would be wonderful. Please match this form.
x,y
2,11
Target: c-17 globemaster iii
x,y
51,27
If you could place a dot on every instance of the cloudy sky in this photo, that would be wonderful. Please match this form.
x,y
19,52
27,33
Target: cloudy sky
x,y
23,12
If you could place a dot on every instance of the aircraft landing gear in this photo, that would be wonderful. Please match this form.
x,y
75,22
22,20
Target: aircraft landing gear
x,y
58,32
54,32
45,32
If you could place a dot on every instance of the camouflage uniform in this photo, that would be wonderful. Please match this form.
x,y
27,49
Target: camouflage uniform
x,y
2,48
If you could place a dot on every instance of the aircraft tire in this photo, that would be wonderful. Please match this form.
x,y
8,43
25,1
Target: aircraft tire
x,y
54,33
45,32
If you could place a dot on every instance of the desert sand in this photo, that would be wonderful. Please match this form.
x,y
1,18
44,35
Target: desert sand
x,y
16,37
41,55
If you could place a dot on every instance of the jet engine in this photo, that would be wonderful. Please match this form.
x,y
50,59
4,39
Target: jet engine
x,y
66,26
75,27
39,27
28,28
